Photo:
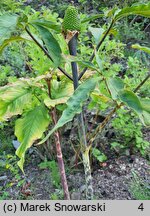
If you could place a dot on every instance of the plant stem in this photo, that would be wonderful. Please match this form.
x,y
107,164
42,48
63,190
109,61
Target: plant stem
x,y
109,116
73,51
81,126
103,124
46,53
97,48
142,83
58,149
60,158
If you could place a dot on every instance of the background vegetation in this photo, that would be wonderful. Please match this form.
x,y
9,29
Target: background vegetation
x,y
124,136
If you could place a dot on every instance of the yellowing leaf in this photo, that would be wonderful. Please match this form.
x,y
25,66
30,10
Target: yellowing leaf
x,y
61,89
60,93
14,98
30,128
143,48
100,97
52,103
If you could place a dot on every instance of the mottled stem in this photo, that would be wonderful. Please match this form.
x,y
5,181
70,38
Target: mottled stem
x,y
81,126
102,125
60,158
58,149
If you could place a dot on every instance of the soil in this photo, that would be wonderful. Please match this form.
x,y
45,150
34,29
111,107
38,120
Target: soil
x,y
111,180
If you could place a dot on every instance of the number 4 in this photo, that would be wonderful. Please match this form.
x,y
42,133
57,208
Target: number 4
x,y
141,207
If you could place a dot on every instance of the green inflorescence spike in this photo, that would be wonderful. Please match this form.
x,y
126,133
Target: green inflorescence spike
x,y
71,20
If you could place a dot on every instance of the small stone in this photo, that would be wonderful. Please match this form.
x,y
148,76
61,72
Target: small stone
x,y
16,144
82,188
122,167
127,152
76,196
3,178
110,166
136,160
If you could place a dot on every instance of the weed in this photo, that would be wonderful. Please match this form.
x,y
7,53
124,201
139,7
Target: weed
x,y
129,133
139,189
101,157
53,167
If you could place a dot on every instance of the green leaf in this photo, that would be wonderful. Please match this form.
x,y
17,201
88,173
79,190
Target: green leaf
x,y
115,85
113,32
30,128
48,24
145,118
13,99
145,102
8,24
141,9
97,33
92,17
141,107
131,100
53,166
51,44
22,20
98,61
101,157
10,40
87,64
145,49
70,58
74,104
117,146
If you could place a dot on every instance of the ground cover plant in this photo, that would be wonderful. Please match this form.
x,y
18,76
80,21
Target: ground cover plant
x,y
71,66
